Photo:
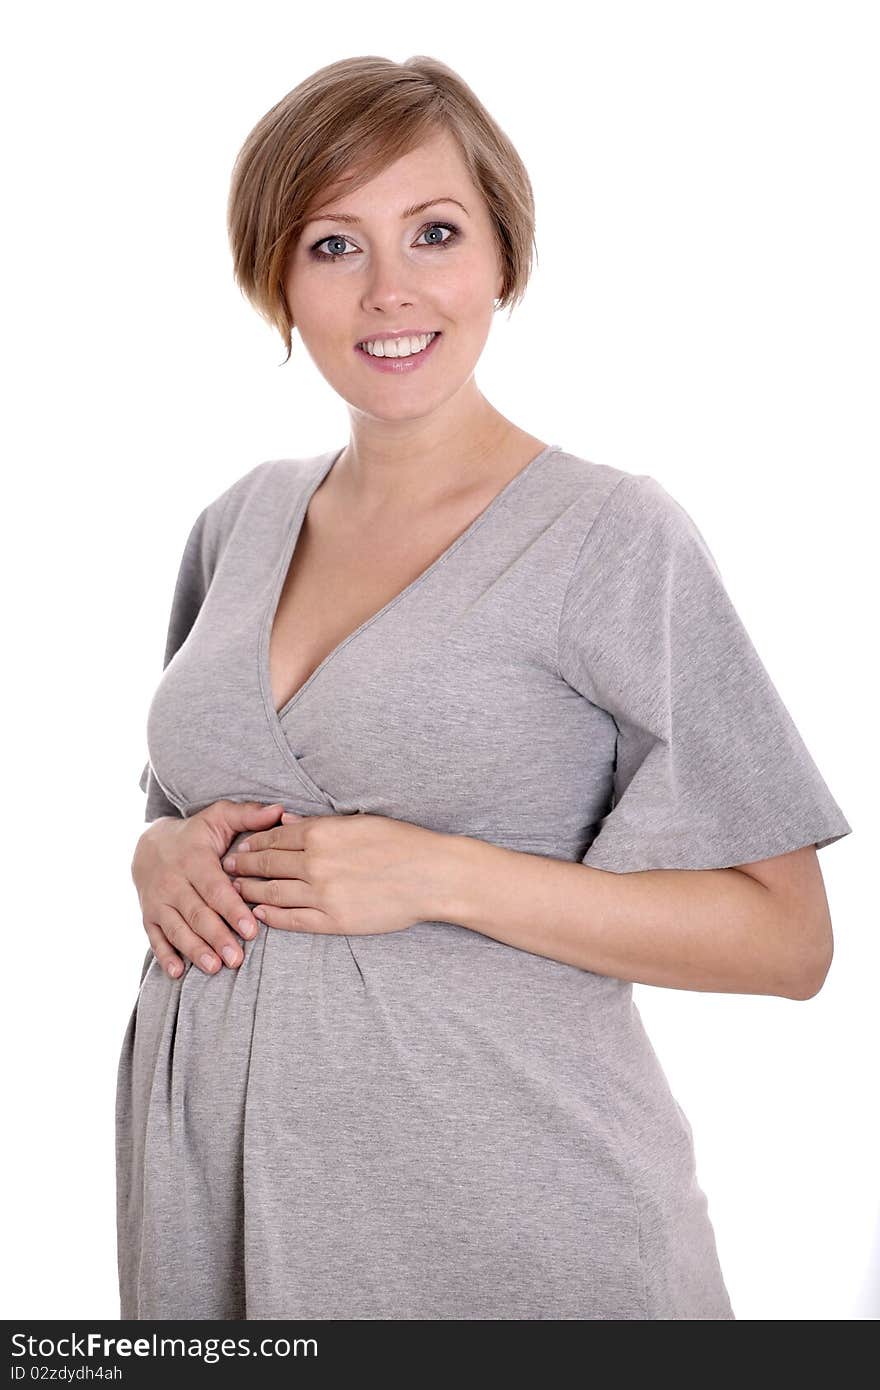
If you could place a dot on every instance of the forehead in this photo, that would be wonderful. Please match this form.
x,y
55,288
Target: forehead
x,y
433,172
339,215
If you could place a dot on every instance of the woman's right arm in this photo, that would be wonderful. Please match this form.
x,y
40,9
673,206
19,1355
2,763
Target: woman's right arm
x,y
186,897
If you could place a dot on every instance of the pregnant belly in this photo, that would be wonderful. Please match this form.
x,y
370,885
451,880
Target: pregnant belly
x,y
414,1117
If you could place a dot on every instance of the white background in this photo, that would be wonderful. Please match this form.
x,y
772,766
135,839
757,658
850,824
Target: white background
x,y
705,310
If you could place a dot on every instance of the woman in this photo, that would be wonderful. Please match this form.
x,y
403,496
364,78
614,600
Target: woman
x,y
507,708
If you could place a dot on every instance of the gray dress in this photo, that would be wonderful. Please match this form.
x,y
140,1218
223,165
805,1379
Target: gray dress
x,y
428,1123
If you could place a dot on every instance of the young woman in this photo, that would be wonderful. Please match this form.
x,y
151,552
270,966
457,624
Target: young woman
x,y
526,754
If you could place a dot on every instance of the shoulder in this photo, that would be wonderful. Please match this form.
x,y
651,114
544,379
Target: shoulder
x,y
258,492
614,497
271,472
639,521
579,482
638,552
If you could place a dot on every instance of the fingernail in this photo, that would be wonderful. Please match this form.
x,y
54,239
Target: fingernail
x,y
208,962
244,847
229,863
246,927
230,955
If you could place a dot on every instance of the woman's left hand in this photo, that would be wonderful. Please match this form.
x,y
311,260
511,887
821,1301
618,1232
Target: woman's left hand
x,y
345,874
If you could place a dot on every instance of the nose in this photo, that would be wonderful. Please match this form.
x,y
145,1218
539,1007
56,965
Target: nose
x,y
389,287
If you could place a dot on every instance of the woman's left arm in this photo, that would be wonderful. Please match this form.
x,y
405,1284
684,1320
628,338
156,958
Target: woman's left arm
x,y
761,928
758,928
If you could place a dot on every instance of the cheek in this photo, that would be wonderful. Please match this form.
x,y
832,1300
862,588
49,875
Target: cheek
x,y
314,297
467,291
323,323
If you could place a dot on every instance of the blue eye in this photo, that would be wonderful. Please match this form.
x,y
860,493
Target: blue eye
x,y
319,255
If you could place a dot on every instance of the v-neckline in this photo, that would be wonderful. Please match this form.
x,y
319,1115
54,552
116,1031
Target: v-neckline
x,y
277,716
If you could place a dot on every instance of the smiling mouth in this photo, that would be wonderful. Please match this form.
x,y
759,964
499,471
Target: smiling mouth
x,y
394,355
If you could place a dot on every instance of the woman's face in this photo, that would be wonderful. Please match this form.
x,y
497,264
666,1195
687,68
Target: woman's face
x,y
436,270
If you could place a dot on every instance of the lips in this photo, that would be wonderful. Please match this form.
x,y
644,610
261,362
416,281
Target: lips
x,y
400,333
400,366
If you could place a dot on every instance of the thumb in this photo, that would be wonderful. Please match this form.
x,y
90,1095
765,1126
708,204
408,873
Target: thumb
x,y
226,819
250,814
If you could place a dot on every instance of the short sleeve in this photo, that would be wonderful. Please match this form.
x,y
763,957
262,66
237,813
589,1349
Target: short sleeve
x,y
710,769
193,579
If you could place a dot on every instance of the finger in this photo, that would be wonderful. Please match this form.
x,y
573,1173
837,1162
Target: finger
x,y
226,818
265,839
220,894
247,815
164,952
276,892
208,905
186,941
265,863
296,919
289,835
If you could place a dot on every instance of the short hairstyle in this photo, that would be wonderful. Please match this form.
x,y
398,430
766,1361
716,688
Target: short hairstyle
x,y
349,121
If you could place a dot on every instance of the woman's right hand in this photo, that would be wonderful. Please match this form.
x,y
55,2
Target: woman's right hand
x,y
186,896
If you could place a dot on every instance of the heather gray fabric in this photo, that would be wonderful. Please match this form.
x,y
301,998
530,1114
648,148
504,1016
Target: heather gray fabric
x,y
430,1123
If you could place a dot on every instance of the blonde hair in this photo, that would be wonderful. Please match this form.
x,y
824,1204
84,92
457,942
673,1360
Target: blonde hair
x,y
362,114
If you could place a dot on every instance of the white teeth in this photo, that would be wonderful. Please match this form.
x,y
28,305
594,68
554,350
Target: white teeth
x,y
396,347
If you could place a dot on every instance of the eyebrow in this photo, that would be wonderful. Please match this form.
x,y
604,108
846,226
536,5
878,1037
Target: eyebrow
x,y
407,212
